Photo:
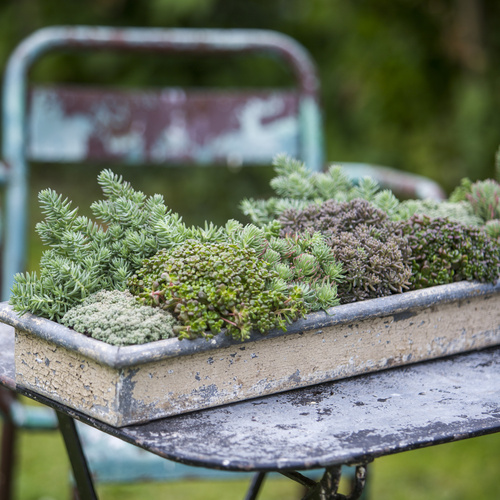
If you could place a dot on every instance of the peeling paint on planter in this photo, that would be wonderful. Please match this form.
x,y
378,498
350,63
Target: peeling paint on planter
x,y
125,385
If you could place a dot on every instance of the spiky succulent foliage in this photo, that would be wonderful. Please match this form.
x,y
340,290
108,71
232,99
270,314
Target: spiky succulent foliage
x,y
85,257
297,187
457,211
445,252
117,318
484,198
208,286
373,253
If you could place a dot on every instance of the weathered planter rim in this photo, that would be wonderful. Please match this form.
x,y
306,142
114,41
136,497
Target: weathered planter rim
x,y
400,306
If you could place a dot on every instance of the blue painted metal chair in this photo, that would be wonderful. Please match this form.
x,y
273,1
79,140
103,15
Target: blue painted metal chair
x,y
74,124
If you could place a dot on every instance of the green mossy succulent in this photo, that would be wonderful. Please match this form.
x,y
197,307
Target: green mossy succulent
x,y
445,252
117,318
373,253
208,286
307,261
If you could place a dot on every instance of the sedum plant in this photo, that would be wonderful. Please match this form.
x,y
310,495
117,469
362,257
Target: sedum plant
x,y
304,260
84,256
372,250
208,286
484,197
297,187
307,261
445,252
117,318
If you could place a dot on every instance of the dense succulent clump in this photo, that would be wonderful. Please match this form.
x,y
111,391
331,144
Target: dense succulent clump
x,y
117,318
332,217
297,187
305,261
373,268
372,250
445,252
208,286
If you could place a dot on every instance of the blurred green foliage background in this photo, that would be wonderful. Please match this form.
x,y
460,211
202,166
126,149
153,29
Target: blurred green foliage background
x,y
405,83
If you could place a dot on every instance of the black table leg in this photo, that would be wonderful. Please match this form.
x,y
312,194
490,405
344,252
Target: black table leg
x,y
255,485
81,473
327,487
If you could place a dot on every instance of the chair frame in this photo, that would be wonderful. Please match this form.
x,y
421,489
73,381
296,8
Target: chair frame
x,y
15,168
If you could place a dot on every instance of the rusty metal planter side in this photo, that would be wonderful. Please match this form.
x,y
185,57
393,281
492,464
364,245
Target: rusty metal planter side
x,y
125,385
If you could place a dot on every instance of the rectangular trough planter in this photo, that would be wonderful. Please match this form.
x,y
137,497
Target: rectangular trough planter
x,y
126,385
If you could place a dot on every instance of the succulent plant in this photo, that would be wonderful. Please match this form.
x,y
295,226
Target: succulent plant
x,y
332,217
297,187
373,253
484,198
492,229
117,318
372,267
307,261
460,192
208,286
445,252
457,211
85,257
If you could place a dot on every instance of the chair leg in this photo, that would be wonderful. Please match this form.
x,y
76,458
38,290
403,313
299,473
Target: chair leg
x,y
7,457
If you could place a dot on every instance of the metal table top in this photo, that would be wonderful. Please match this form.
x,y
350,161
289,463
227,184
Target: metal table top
x,y
348,421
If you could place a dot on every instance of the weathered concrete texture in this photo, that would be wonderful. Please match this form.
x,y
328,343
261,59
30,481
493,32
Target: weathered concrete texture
x,y
289,361
346,421
67,377
122,395
7,373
